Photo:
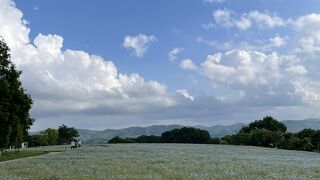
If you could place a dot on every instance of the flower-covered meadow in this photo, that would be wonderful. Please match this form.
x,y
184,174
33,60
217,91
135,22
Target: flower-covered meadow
x,y
165,161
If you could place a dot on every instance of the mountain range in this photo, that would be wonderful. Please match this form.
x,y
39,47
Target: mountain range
x,y
93,136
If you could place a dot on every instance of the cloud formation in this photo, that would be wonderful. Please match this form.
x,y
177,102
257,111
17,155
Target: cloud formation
x,y
188,64
244,81
185,94
64,82
173,53
139,44
227,18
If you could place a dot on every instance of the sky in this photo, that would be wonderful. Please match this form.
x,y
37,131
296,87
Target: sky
x,y
115,64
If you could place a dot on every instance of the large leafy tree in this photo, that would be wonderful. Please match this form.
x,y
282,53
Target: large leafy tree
x,y
52,135
15,103
66,134
267,123
186,135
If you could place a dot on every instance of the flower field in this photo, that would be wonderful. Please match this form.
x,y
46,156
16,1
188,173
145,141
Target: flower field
x,y
165,161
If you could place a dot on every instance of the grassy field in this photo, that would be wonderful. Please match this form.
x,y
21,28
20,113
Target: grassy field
x,y
31,152
166,161
6,156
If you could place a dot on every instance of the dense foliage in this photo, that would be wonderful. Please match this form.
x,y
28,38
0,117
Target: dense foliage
x,y
140,139
66,134
15,103
186,135
267,132
183,135
267,123
51,136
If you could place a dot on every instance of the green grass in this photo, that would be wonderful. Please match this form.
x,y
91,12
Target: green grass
x,y
11,155
23,153
166,161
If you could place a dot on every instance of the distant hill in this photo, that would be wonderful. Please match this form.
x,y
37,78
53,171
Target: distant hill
x,y
92,136
219,130
295,126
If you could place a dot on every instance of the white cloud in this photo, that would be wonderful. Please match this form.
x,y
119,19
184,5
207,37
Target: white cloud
x,y
139,44
309,91
87,91
185,94
263,79
173,53
277,41
13,28
297,69
223,17
242,67
308,33
261,45
75,82
188,64
265,20
227,18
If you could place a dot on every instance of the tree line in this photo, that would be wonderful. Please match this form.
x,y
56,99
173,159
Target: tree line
x,y
183,135
50,136
267,132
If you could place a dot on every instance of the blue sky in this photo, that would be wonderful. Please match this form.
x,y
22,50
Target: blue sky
x,y
99,28
235,61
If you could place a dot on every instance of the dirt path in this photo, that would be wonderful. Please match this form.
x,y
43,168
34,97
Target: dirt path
x,y
13,160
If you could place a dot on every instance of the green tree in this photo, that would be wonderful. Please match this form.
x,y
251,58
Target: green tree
x,y
264,137
215,140
306,133
268,123
186,135
148,139
15,103
66,134
316,140
38,140
52,135
118,139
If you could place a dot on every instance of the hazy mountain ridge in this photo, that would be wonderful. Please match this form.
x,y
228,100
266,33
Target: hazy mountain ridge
x,y
92,136
295,126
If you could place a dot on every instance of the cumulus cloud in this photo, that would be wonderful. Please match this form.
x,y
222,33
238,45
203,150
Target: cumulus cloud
x,y
277,41
173,53
308,33
13,28
74,82
87,91
254,78
185,94
227,18
309,91
188,64
242,67
139,44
